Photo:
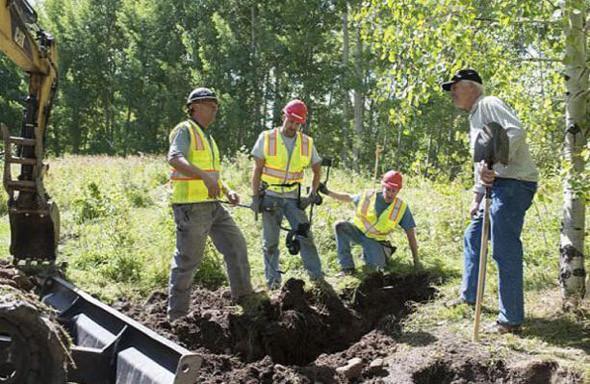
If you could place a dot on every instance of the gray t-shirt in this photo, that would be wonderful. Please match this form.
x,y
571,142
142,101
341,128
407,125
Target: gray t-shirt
x,y
181,142
521,165
258,152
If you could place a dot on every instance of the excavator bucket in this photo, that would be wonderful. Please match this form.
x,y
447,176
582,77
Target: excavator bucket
x,y
34,235
111,348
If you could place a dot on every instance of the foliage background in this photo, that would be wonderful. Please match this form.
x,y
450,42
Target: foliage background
x,y
369,71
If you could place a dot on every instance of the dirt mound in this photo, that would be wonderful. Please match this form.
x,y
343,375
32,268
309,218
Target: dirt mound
x,y
35,348
450,361
294,327
315,335
11,276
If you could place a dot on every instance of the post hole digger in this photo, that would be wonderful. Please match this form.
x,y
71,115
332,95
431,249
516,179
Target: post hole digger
x,y
491,147
291,241
107,347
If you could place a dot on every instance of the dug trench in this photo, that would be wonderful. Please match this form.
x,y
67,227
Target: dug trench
x,y
295,326
315,335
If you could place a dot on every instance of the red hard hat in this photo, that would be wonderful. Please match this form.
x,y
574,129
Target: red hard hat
x,y
296,111
392,179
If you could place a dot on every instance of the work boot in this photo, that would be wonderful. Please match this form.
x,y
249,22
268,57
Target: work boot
x,y
503,328
274,286
171,317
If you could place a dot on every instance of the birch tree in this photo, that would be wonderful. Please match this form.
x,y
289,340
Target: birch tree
x,y
572,273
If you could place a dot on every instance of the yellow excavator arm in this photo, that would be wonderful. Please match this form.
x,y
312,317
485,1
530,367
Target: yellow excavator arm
x,y
34,218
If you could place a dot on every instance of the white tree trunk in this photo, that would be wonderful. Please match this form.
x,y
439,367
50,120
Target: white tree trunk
x,y
572,273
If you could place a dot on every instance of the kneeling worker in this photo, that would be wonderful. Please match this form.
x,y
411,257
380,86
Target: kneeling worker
x,y
377,215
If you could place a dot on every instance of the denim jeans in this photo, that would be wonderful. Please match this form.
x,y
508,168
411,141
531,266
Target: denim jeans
x,y
510,201
194,223
373,252
273,210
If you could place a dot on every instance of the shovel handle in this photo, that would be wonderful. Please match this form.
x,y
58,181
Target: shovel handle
x,y
483,256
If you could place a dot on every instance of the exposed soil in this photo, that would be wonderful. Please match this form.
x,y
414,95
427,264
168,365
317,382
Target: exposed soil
x,y
35,347
12,277
316,336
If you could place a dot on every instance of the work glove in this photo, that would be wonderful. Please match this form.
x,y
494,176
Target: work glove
x,y
323,188
305,202
255,205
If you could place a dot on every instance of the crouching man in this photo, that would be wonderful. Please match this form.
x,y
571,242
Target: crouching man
x,y
377,214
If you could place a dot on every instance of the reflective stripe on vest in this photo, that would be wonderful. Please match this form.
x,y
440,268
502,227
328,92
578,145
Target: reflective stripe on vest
x,y
203,154
277,167
378,227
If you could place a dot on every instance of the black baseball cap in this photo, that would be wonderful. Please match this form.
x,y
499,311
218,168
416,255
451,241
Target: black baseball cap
x,y
462,74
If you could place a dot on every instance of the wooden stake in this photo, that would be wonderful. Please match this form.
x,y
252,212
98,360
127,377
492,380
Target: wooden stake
x,y
378,151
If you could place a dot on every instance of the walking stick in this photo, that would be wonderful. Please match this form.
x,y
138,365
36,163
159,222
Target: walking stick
x,y
491,146
483,259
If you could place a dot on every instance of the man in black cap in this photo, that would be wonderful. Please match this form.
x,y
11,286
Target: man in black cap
x,y
513,187
196,189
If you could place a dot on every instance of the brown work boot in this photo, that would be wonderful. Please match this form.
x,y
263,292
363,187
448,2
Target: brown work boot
x,y
503,328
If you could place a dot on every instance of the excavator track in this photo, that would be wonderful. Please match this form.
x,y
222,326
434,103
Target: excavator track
x,y
33,349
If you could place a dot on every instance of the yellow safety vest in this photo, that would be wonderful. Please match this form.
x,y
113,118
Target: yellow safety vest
x,y
377,227
277,168
203,154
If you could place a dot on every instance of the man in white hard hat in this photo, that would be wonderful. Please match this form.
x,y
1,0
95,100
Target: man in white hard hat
x,y
196,188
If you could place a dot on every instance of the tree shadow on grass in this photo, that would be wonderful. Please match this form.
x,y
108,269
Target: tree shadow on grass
x,y
560,331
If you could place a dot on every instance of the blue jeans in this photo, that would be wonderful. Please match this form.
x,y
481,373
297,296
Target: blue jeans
x,y
510,201
273,210
373,251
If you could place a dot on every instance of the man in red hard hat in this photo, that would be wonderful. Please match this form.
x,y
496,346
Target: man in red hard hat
x,y
281,156
377,215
